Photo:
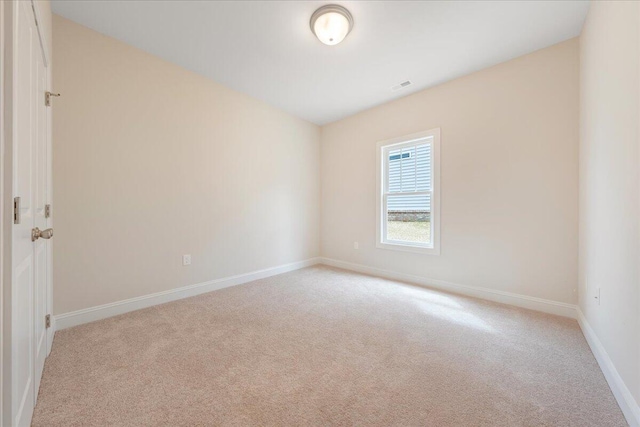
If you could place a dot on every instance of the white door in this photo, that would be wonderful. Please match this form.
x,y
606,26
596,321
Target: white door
x,y
41,246
30,183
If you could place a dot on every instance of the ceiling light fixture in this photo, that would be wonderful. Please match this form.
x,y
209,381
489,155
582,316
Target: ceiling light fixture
x,y
331,23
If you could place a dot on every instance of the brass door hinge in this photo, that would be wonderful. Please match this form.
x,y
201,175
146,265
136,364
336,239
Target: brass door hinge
x,y
16,210
47,98
47,321
47,211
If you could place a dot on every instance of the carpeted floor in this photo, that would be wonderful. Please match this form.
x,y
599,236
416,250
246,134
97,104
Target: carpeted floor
x,y
323,347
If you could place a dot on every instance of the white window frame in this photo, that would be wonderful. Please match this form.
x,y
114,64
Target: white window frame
x,y
382,153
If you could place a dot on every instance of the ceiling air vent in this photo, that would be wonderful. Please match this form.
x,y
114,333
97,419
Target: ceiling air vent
x,y
402,85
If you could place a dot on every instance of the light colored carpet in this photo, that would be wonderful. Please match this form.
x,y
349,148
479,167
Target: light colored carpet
x,y
324,347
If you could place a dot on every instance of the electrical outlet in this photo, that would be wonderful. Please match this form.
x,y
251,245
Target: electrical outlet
x,y
186,259
356,245
597,295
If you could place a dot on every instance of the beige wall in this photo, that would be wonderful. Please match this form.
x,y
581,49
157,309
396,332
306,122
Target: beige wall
x,y
509,174
152,162
609,183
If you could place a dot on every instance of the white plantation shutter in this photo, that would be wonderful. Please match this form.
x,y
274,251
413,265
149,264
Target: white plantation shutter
x,y
409,172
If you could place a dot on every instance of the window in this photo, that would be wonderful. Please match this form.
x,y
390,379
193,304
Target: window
x,y
409,193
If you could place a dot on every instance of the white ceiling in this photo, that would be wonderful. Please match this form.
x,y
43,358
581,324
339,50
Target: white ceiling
x,y
266,49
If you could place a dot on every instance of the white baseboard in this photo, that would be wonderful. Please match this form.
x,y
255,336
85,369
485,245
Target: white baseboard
x,y
67,320
623,395
75,318
524,301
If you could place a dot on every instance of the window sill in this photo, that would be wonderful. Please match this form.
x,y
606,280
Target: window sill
x,y
409,248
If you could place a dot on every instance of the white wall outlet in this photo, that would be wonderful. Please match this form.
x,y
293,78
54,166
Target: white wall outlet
x,y
356,245
186,259
597,295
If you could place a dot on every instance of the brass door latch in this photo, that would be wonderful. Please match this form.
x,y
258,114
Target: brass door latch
x,y
47,98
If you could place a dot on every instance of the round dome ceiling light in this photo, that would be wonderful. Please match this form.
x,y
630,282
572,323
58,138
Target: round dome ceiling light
x,y
331,24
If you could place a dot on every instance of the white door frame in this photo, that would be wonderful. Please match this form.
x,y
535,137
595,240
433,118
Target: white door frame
x,y
7,90
6,125
2,204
